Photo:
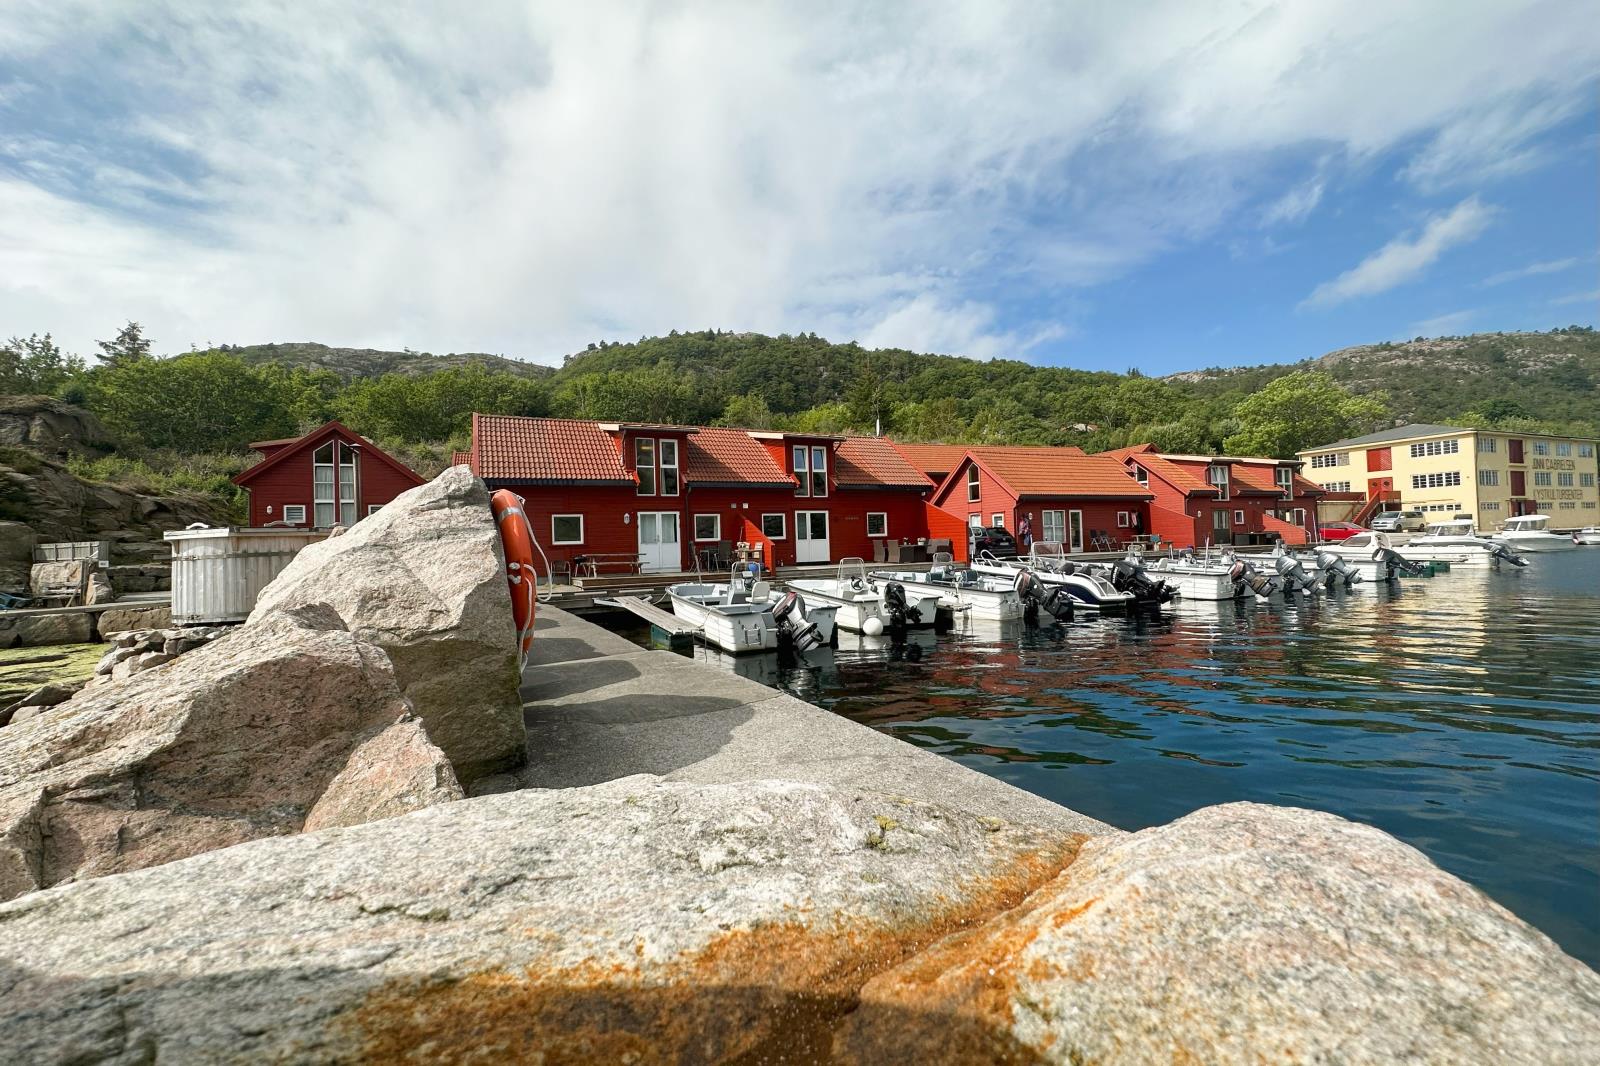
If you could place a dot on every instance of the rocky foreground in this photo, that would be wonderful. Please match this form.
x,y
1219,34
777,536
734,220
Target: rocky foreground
x,y
261,851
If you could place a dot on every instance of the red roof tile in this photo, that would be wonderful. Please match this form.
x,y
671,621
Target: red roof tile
x,y
935,460
874,462
1178,476
1254,478
546,449
1059,472
731,457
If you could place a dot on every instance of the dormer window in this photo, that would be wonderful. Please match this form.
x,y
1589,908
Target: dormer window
x,y
810,470
1284,475
974,487
1217,474
644,464
656,464
1142,475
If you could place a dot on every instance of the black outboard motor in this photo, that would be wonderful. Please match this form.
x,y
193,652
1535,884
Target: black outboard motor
x,y
1035,594
1336,570
1246,576
1129,576
790,614
1504,553
1395,563
1293,575
894,605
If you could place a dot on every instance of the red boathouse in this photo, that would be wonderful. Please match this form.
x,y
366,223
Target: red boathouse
x,y
331,476
1223,499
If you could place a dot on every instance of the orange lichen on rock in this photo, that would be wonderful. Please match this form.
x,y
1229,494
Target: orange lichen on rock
x,y
772,993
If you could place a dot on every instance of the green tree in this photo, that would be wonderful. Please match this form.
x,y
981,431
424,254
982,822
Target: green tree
x,y
1301,410
35,365
129,347
205,402
748,411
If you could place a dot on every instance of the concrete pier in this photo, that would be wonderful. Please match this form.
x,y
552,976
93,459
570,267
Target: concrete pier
x,y
599,707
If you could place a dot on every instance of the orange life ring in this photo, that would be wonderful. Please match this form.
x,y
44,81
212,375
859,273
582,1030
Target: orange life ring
x,y
516,537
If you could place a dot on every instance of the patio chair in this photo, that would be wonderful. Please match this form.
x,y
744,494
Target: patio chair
x,y
880,554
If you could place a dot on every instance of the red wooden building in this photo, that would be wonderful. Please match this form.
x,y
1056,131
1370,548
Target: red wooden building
x,y
1222,499
1080,501
667,494
331,476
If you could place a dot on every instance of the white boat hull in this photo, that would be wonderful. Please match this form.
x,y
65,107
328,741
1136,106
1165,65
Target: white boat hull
x,y
1535,542
1588,536
740,628
853,611
1086,592
980,603
1199,584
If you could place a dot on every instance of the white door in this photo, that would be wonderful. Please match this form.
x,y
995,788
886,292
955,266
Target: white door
x,y
1055,527
659,547
1075,531
811,537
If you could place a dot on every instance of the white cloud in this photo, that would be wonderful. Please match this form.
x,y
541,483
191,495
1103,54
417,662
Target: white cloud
x,y
1443,325
1294,205
1405,257
1550,266
1590,297
525,177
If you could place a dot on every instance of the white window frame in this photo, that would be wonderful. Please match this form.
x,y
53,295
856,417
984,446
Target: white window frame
x,y
1585,451
1284,476
1141,475
557,540
802,469
1541,479
997,520
374,508
974,521
1563,479
1487,444
1440,480
1221,519
698,539
783,519
819,472
1541,447
1217,477
974,484
639,466
348,485
300,507
1238,518
1060,526
331,501
883,530
1563,447
664,467
1489,478
1586,481
1122,520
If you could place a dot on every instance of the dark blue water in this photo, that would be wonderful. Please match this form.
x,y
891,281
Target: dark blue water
x,y
1460,713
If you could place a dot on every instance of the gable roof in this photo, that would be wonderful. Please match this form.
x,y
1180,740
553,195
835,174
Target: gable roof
x,y
279,451
1255,479
1384,436
934,460
1053,472
1178,476
562,450
874,462
731,457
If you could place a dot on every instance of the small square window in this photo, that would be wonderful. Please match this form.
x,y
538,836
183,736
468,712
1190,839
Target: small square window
x,y
707,527
1238,518
774,526
1122,519
998,520
566,529
374,508
877,524
294,514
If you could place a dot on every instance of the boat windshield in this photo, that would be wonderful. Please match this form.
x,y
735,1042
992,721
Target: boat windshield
x,y
1454,528
1533,523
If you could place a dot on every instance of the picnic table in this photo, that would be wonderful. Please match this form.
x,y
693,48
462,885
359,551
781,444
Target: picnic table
x,y
591,565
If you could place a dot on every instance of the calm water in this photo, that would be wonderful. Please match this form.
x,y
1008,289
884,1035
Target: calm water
x,y
1460,713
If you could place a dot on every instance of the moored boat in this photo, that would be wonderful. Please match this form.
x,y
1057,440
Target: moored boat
x,y
1089,588
1531,533
981,596
1457,542
865,604
741,616
1588,535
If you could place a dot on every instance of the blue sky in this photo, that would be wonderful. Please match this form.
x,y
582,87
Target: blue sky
x,y
1162,185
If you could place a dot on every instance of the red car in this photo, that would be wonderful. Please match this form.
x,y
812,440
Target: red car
x,y
1340,530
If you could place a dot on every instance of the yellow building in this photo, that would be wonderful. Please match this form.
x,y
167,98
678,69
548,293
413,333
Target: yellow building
x,y
1442,471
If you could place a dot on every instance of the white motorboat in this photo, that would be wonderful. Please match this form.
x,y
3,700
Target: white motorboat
x,y
1374,553
1198,577
1087,588
867,605
740,615
980,596
1456,542
1531,533
1587,535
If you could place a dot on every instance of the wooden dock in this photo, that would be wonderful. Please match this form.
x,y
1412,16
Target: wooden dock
x,y
669,626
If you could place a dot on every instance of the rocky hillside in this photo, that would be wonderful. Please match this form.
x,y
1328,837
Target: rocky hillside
x,y
1553,376
352,363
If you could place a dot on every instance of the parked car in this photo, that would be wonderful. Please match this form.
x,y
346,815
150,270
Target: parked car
x,y
996,540
1340,530
1400,522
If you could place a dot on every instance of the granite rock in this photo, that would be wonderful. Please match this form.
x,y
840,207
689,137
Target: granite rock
x,y
395,772
424,579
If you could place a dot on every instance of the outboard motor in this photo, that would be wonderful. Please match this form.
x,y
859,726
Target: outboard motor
x,y
790,614
1246,576
894,605
1294,575
1335,570
1504,553
1395,563
1127,575
1035,594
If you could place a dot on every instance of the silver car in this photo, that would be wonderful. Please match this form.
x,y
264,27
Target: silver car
x,y
1399,522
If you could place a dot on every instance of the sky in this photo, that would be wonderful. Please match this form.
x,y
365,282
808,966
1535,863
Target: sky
x,y
1161,185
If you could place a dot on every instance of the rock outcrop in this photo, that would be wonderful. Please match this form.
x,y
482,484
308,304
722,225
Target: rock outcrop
x,y
50,427
236,740
424,579
55,504
769,921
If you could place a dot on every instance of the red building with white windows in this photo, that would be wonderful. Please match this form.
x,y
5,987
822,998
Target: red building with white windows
x,y
1080,501
667,493
1221,499
331,476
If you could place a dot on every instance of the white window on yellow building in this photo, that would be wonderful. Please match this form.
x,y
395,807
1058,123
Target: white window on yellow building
x,y
1435,447
1489,477
1541,477
1436,481
1486,444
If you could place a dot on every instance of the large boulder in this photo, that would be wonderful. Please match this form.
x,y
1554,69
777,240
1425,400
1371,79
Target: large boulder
x,y
236,740
424,579
121,619
1242,933
631,921
43,630
51,427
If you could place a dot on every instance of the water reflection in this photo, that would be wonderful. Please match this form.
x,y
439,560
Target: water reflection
x,y
1460,712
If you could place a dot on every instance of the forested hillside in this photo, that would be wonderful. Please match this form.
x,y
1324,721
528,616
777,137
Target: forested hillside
x,y
184,421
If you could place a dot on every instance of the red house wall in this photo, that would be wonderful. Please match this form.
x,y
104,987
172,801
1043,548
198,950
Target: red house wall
x,y
1098,515
847,533
992,497
291,482
602,507
942,525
